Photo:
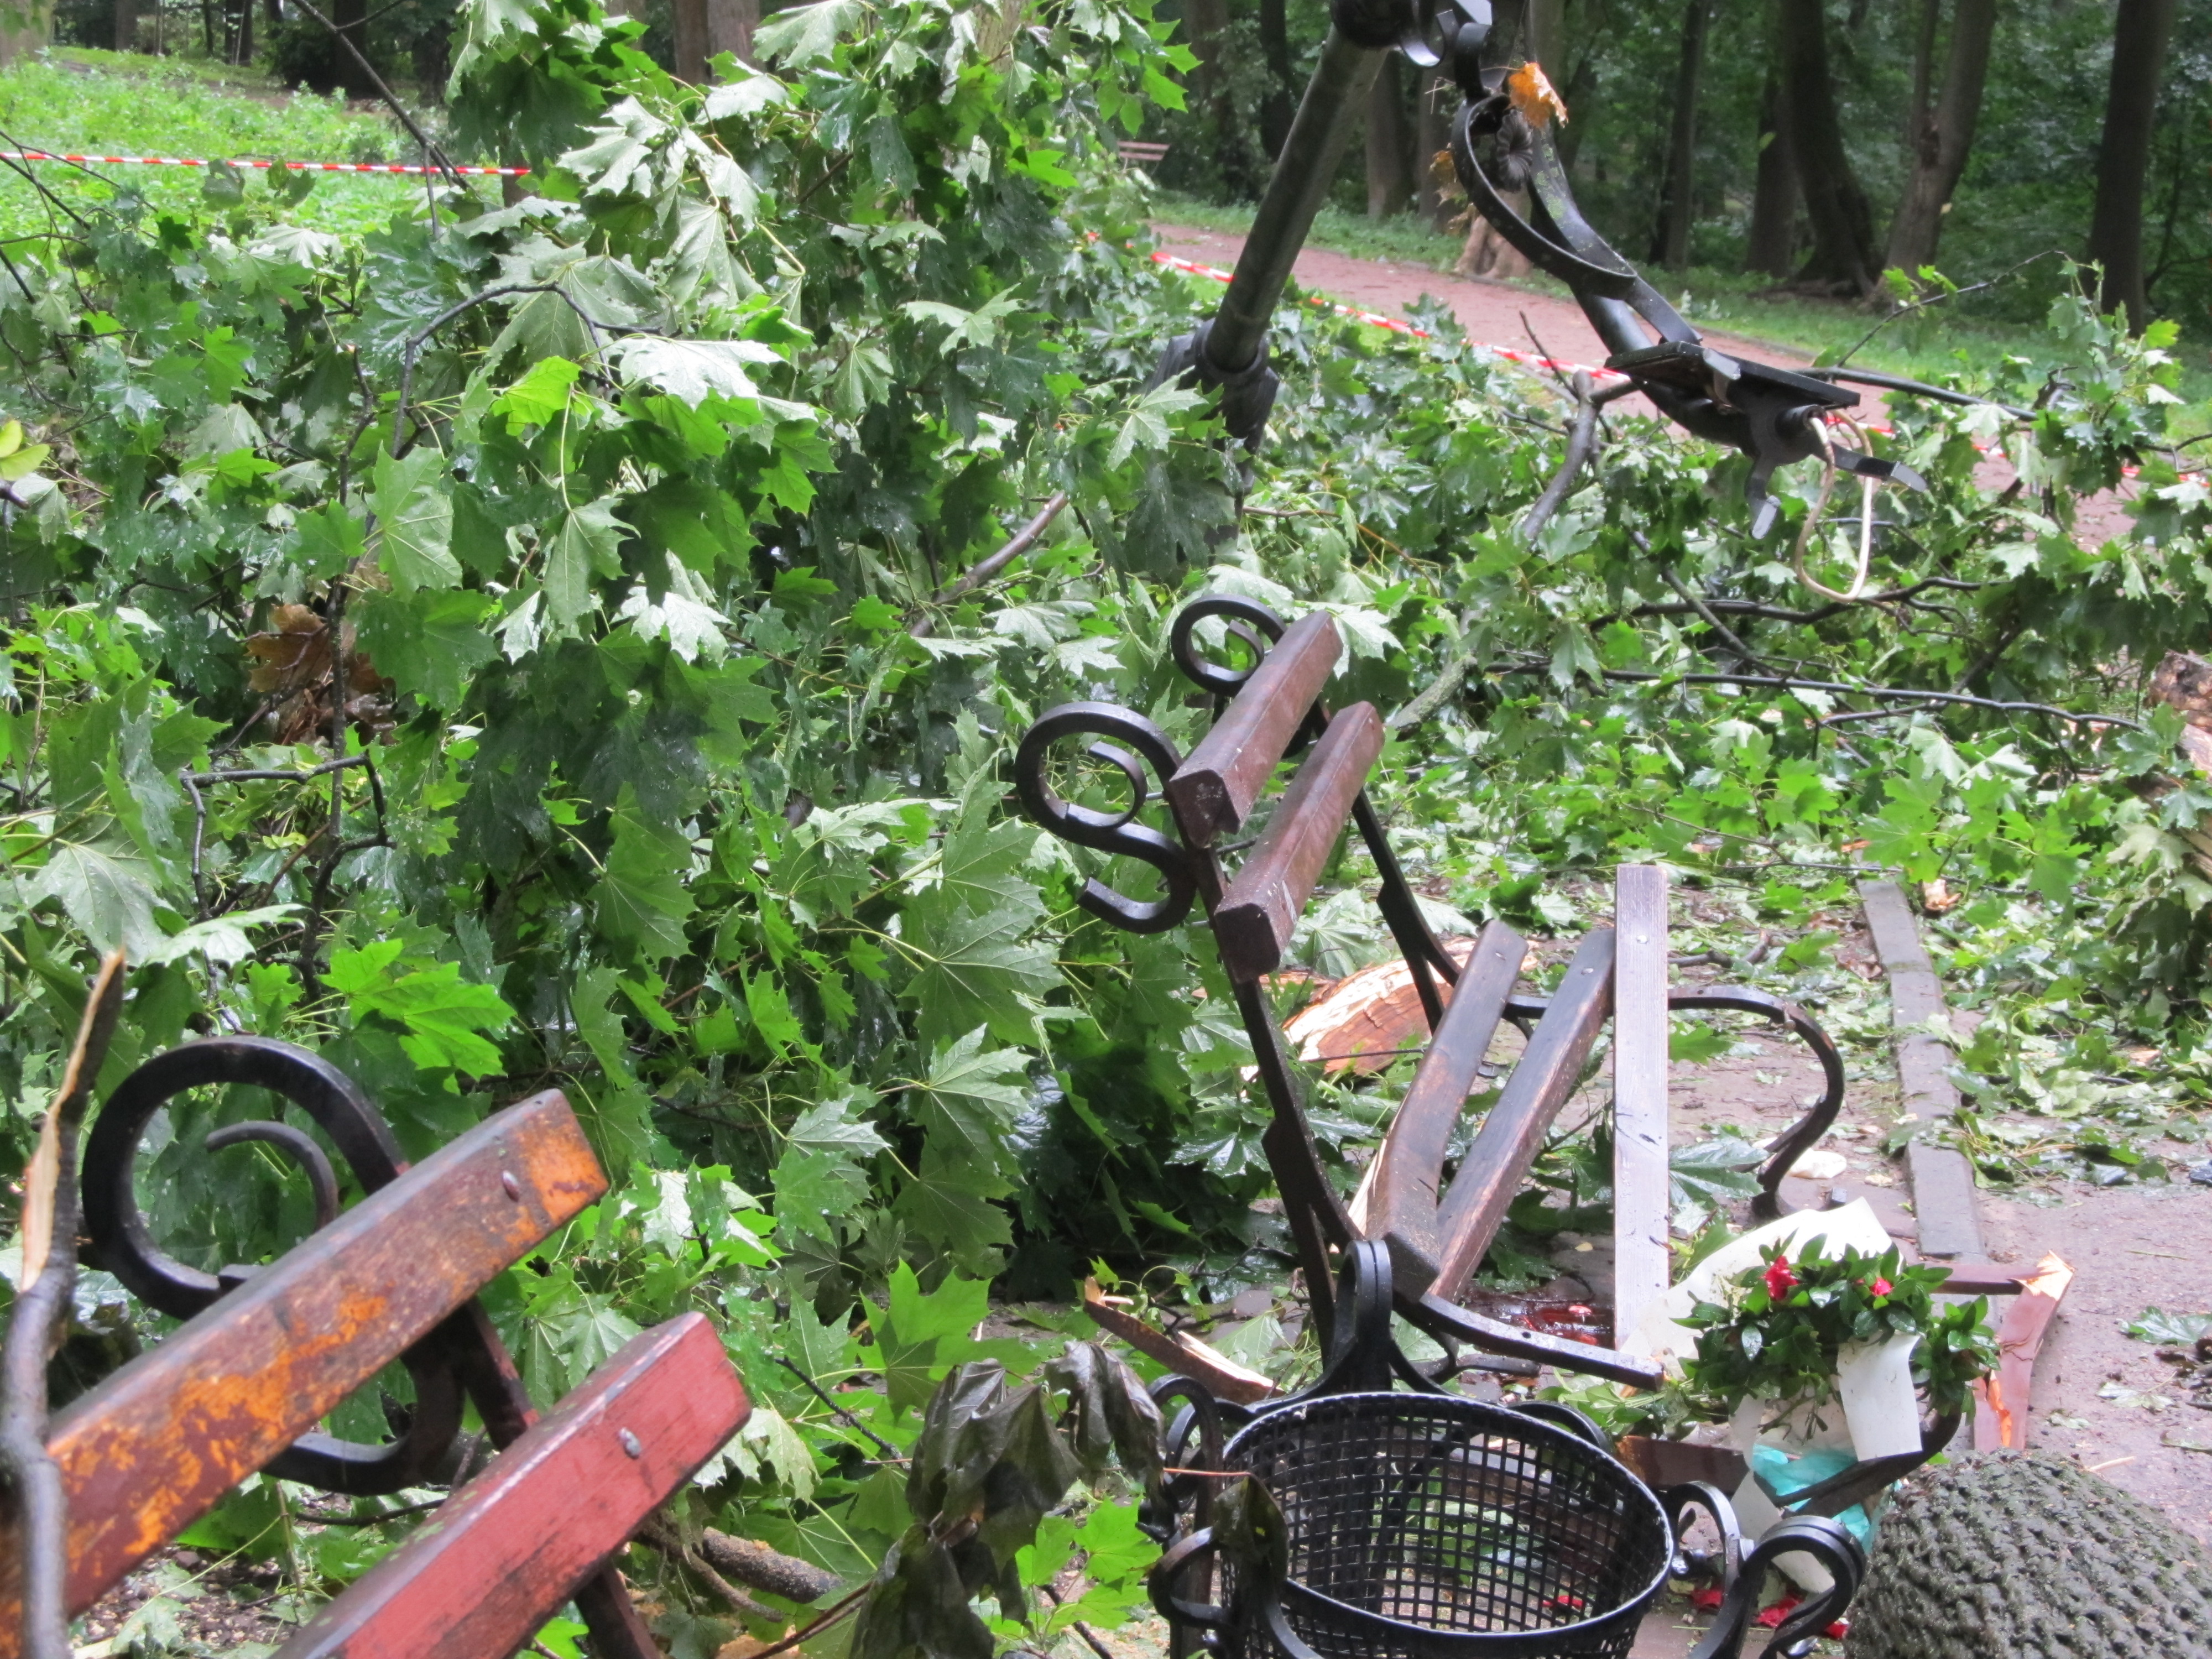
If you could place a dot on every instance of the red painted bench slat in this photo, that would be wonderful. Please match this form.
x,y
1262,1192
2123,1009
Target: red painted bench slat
x,y
512,1545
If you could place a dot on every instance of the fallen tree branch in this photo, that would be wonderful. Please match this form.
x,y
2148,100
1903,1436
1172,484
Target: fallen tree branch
x,y
1581,444
984,570
1433,696
1704,612
38,1324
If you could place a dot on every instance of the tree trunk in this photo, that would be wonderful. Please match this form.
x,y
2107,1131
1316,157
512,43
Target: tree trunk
x,y
2140,34
1432,138
1946,134
688,20
1843,251
1208,22
1772,245
28,27
1924,75
127,25
1280,104
1670,245
350,19
245,45
1390,177
1544,37
730,26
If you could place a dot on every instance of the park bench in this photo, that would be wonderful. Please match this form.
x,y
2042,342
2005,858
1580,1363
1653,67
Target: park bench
x,y
266,1353
1436,1232
1142,154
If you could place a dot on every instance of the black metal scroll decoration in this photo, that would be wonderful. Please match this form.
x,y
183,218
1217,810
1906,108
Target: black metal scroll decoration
x,y
121,1243
1110,832
1775,415
1804,1133
1246,620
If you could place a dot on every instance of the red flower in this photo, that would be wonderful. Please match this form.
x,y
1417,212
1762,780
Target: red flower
x,y
1780,1281
1880,1286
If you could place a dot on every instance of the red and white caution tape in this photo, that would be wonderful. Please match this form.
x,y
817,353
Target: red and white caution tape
x,y
403,167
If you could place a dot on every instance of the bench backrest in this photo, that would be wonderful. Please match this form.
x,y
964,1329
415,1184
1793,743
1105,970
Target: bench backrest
x,y
154,1446
1437,1237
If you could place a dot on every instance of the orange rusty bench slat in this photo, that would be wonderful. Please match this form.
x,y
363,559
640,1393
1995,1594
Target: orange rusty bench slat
x,y
150,1450
514,1544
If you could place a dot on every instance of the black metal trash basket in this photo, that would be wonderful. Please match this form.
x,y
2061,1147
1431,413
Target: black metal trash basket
x,y
1429,1525
1419,1524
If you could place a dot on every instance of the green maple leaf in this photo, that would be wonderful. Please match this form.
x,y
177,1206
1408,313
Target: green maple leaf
x,y
942,1208
969,1102
442,1014
589,541
619,159
823,1174
806,34
106,890
430,643
538,396
642,901
979,870
693,371
415,520
977,970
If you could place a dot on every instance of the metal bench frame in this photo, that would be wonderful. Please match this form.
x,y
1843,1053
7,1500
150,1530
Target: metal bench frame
x,y
1436,1234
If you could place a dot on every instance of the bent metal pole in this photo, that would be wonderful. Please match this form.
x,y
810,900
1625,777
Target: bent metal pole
x,y
1228,354
1303,171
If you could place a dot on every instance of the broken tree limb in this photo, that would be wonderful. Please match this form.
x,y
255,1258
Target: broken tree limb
x,y
1184,1354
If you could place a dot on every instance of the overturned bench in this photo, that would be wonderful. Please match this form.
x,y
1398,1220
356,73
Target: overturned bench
x,y
1436,1231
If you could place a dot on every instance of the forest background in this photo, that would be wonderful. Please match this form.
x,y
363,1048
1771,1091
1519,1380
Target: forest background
x,y
506,644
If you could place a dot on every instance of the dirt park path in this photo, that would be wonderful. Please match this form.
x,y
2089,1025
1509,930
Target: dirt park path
x,y
1498,313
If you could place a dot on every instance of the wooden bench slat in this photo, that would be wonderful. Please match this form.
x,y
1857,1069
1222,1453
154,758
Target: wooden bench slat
x,y
1499,1160
153,1447
1214,791
1258,914
1642,1266
481,1576
1401,1203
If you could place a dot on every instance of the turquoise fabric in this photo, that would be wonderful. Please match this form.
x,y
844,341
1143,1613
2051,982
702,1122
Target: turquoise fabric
x,y
1783,1475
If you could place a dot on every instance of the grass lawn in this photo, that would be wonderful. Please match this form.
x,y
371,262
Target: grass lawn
x,y
81,101
1927,343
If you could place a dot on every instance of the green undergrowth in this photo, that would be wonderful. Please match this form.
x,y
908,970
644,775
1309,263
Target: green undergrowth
x,y
125,104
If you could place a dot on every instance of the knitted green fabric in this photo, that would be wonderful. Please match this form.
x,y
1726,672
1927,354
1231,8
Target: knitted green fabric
x,y
2016,1555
